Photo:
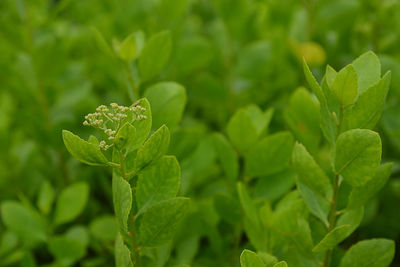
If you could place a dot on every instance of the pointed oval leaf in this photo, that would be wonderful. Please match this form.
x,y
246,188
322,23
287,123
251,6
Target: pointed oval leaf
x,y
127,49
82,150
271,155
122,199
168,101
241,131
156,146
368,108
122,253
315,87
345,86
23,222
281,264
309,172
66,250
302,116
155,55
369,253
159,222
158,182
368,69
45,198
125,136
346,225
250,259
101,42
71,202
331,239
358,154
360,195
227,156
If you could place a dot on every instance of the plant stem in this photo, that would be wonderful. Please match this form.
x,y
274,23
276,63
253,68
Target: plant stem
x,y
134,243
333,208
332,217
132,231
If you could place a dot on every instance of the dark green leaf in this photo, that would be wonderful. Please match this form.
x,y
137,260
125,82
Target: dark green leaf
x,y
23,222
271,155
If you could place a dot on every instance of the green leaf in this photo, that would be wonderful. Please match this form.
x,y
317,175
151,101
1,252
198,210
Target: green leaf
x,y
315,87
78,233
369,253
270,155
346,225
160,221
360,195
274,186
66,250
281,264
104,228
248,206
127,49
46,198
71,202
9,242
122,253
125,136
227,207
352,217
156,146
345,86
330,75
168,100
82,150
309,172
17,218
250,259
328,125
93,140
142,127
303,118
227,156
260,119
155,55
122,199
101,42
368,108
267,258
334,237
358,154
241,130
368,69
317,205
158,182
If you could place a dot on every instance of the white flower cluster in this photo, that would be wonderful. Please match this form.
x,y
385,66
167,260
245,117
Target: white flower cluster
x,y
110,119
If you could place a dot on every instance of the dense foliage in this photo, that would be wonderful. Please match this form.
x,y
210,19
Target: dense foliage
x,y
250,133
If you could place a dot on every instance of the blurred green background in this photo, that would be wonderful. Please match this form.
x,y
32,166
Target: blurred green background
x,y
226,53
